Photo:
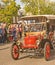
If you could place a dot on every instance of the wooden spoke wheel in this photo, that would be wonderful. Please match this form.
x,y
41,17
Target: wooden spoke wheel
x,y
47,51
15,51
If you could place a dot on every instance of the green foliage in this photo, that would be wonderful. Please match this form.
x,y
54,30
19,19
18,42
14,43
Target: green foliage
x,y
5,1
8,12
18,6
39,7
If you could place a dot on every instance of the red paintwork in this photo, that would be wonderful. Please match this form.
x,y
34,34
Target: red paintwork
x,y
15,54
48,51
30,42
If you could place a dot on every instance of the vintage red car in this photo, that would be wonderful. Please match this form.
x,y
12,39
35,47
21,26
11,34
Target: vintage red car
x,y
38,37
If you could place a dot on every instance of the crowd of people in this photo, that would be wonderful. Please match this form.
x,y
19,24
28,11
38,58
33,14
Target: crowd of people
x,y
11,32
3,33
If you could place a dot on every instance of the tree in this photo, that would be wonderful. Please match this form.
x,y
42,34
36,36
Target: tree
x,y
30,6
7,1
38,6
9,11
52,5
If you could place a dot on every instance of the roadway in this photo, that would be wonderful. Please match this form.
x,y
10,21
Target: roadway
x,y
6,59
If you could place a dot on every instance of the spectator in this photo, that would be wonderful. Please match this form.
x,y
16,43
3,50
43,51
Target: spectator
x,y
5,32
20,30
0,34
10,38
17,32
14,32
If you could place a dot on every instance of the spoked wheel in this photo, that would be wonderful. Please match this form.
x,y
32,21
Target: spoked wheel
x,y
15,51
47,51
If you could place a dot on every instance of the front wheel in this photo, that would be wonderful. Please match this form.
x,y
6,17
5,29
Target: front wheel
x,y
15,51
47,51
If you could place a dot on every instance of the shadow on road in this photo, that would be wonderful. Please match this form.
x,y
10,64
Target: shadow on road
x,y
31,56
23,57
53,55
39,56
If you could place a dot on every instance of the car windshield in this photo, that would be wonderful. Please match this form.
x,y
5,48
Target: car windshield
x,y
33,26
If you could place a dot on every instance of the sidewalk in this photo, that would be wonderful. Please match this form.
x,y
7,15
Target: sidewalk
x,y
5,46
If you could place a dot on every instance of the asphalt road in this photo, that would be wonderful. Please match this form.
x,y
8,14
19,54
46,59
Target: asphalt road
x,y
6,59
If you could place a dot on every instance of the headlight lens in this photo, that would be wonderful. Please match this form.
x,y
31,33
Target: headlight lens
x,y
37,42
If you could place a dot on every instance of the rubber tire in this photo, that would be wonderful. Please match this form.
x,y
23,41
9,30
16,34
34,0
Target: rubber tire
x,y
13,52
47,59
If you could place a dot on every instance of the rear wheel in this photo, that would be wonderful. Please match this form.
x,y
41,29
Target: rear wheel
x,y
15,51
47,51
